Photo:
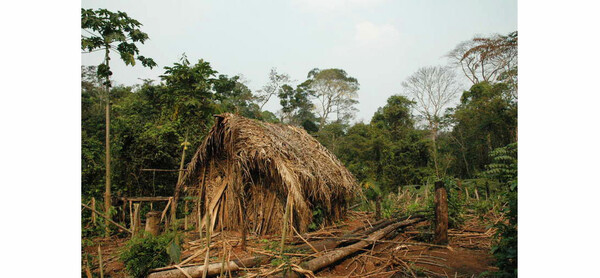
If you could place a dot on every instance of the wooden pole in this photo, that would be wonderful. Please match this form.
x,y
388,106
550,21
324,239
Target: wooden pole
x,y
179,181
378,207
107,195
131,215
136,218
441,214
208,232
476,194
93,213
185,216
100,261
286,216
244,224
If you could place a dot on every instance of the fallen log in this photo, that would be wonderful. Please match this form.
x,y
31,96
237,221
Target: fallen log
x,y
335,256
212,269
322,245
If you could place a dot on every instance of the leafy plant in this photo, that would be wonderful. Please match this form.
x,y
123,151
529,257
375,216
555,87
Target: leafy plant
x,y
145,252
504,169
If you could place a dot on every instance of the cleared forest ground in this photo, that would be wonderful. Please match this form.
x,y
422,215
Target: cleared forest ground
x,y
406,254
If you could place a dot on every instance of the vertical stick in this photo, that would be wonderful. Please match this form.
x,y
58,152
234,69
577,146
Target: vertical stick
x,y
208,231
476,194
459,185
179,181
130,216
285,222
185,217
100,261
107,159
467,193
136,218
244,224
123,209
93,213
88,272
441,214
378,207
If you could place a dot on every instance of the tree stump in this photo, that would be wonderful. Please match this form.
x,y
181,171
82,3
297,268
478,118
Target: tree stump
x,y
152,222
441,214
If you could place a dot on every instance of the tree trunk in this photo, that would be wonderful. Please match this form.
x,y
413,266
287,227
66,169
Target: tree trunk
x,y
107,196
441,214
179,182
212,269
338,254
152,221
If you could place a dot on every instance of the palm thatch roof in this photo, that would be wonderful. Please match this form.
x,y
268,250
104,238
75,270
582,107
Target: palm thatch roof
x,y
246,171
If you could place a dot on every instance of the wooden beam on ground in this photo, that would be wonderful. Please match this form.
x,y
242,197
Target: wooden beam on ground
x,y
145,199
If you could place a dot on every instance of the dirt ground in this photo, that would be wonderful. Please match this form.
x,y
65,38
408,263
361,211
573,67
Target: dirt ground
x,y
406,255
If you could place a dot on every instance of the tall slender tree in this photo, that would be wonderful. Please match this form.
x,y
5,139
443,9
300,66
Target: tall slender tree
x,y
111,31
433,89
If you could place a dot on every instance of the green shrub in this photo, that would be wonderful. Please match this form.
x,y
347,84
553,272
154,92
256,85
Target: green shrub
x,y
145,252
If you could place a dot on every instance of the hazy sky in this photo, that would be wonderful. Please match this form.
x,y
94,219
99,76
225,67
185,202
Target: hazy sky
x,y
377,41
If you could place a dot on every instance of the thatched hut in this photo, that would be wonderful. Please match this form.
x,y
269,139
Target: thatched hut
x,y
246,171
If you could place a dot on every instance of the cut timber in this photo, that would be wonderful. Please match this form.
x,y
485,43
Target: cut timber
x,y
441,214
335,256
152,221
212,269
145,199
235,265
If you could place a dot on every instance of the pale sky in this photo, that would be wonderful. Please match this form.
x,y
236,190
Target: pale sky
x,y
379,42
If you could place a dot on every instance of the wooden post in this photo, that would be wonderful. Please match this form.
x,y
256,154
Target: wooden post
x,y
179,181
285,220
441,214
242,211
123,209
152,221
378,207
185,217
93,213
100,261
136,218
467,193
476,194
